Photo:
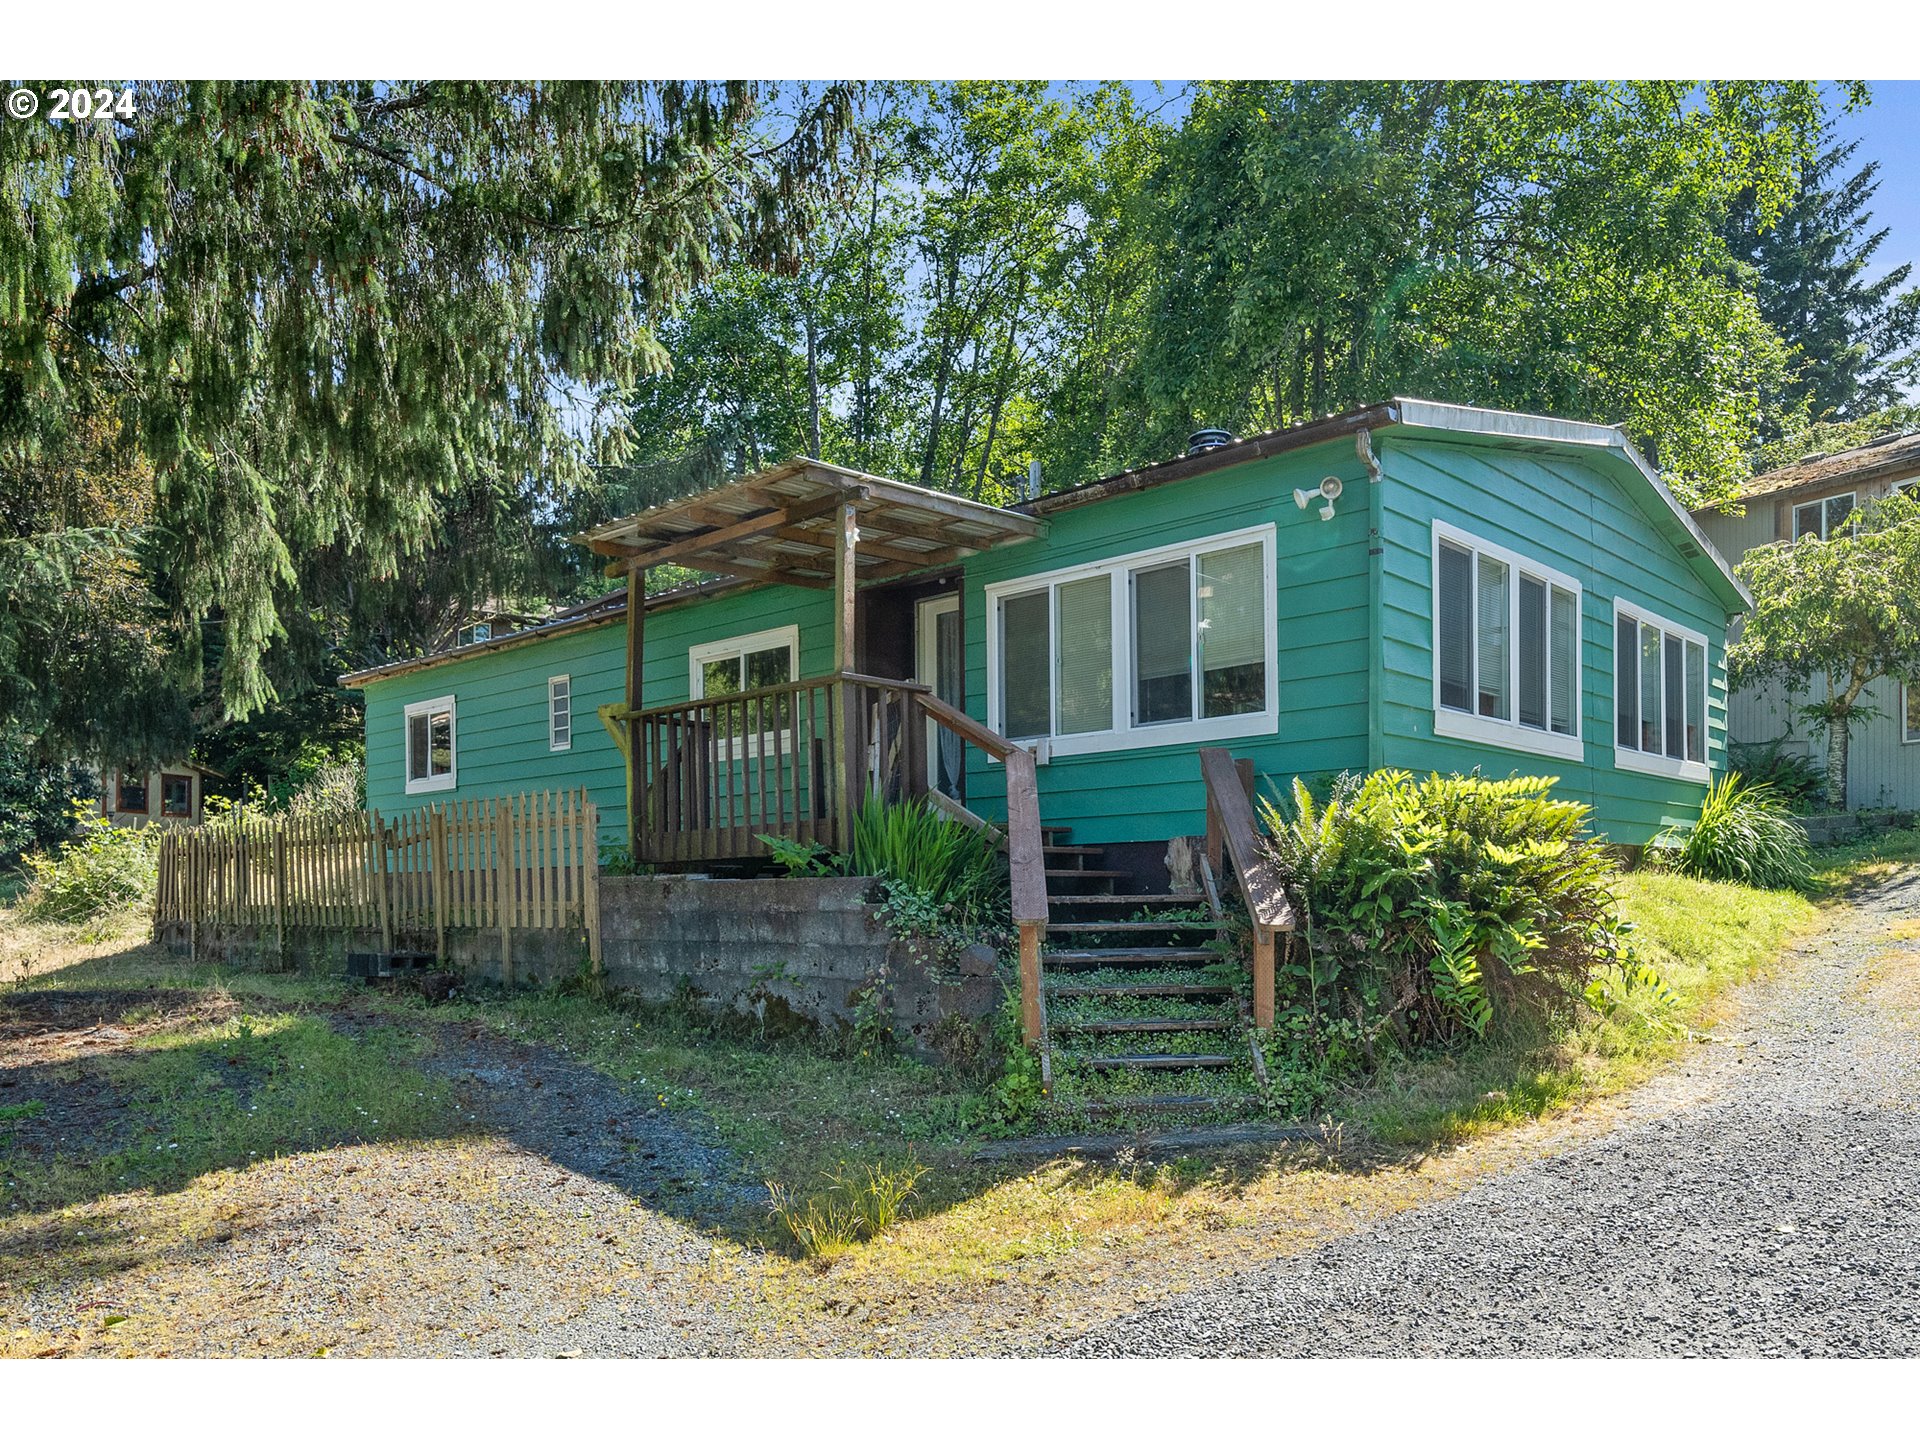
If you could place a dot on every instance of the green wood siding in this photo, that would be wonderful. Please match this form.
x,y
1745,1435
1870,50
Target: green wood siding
x,y
501,718
1321,615
1354,662
1576,517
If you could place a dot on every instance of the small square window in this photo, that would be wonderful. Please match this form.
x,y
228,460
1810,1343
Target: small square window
x,y
430,745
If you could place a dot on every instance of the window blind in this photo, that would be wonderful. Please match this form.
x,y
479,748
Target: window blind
x,y
1565,644
1533,652
1233,631
1163,643
1626,680
1084,609
1456,628
1024,679
1696,702
1650,689
1492,612
1676,699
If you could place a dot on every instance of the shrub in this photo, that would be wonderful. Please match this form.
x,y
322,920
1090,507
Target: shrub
x,y
921,850
103,868
1800,784
1745,834
1435,908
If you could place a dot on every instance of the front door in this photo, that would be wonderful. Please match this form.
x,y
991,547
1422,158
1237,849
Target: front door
x,y
938,663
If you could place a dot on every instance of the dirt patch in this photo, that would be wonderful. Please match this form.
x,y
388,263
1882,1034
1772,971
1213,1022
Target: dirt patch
x,y
580,1119
57,1095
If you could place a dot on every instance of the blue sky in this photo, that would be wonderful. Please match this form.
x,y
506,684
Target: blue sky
x,y
1889,131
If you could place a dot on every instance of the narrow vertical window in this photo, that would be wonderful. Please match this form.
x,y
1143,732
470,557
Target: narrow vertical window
x,y
1676,697
560,712
1696,701
1456,627
1913,713
1533,652
1650,709
1233,631
1626,681
1025,683
1084,613
1491,616
1565,666
1163,643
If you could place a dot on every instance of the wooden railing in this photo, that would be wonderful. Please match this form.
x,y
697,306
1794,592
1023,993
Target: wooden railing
x,y
794,760
1234,837
528,862
713,776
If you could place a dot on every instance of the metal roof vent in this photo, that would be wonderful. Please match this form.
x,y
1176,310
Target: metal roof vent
x,y
1202,441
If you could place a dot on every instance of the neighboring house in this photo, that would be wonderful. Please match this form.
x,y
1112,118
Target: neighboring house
x,y
1488,591
172,793
1806,502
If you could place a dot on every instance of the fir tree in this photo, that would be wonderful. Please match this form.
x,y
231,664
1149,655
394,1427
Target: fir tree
x,y
1857,336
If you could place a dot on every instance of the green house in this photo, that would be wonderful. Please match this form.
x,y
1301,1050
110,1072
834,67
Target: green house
x,y
1411,585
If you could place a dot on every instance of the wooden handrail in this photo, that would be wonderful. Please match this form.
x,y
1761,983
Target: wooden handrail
x,y
1230,825
968,728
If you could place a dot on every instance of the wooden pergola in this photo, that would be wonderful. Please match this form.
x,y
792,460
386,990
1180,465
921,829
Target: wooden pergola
x,y
807,524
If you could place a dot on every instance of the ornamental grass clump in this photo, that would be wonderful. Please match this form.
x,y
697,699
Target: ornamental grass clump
x,y
1745,834
1436,909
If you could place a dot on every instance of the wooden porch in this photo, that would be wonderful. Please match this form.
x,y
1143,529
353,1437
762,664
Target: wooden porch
x,y
710,776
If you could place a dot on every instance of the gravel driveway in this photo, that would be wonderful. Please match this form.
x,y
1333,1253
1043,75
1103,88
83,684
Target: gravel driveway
x,y
1761,1199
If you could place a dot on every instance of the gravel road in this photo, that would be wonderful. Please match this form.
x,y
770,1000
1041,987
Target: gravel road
x,y
1763,1198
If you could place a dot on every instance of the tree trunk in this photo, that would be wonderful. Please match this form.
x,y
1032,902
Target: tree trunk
x,y
813,383
1837,739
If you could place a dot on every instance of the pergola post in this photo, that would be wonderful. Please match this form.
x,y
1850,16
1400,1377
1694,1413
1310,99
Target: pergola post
x,y
846,753
636,689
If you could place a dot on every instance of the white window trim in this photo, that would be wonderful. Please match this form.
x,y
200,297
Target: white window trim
x,y
1823,502
1625,758
699,655
741,746
431,783
1454,724
1124,735
554,744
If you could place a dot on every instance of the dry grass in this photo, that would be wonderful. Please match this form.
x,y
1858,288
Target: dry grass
x,y
983,1257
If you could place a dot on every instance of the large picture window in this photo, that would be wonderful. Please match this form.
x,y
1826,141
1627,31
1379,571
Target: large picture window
x,y
1659,695
1506,648
1161,647
430,745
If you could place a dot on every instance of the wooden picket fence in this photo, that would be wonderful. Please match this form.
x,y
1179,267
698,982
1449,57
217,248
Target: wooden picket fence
x,y
525,862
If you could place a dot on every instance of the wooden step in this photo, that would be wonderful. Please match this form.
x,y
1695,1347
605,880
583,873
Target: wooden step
x,y
1144,1026
1176,1104
1085,874
1152,899
1135,992
1169,955
1049,849
1129,926
1153,1061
